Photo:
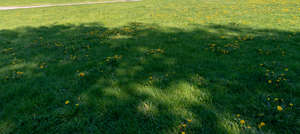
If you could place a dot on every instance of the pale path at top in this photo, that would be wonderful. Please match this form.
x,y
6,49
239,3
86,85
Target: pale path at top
x,y
69,4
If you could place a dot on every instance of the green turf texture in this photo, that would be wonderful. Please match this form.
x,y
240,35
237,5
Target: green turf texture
x,y
43,2
171,66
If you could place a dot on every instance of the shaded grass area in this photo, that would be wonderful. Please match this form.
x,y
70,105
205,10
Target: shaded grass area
x,y
151,67
42,2
146,78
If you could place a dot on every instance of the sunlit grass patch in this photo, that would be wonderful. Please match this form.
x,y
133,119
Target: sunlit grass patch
x,y
4,3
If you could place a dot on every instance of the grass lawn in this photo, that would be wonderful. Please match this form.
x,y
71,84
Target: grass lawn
x,y
42,2
156,66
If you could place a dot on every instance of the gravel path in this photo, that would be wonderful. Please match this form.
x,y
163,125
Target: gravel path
x,y
70,4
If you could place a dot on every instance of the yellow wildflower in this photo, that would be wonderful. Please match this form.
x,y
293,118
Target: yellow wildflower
x,y
291,104
242,121
238,115
248,126
182,132
279,108
67,102
261,124
76,105
189,120
286,69
269,81
81,74
20,73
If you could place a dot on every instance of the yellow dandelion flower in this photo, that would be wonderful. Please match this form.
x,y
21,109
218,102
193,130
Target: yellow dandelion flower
x,y
81,74
238,115
279,108
242,121
260,125
261,64
291,104
189,120
76,105
269,81
67,102
248,126
182,132
20,73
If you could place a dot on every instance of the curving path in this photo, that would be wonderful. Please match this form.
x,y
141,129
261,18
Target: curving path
x,y
69,4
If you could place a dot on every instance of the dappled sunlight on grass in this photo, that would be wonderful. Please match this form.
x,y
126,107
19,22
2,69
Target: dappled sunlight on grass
x,y
148,76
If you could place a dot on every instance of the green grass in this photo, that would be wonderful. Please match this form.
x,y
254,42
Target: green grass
x,y
148,67
42,2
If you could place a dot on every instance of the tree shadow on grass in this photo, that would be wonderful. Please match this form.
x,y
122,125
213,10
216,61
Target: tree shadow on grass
x,y
143,78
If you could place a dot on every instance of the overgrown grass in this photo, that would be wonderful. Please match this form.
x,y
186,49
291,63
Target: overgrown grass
x,y
151,67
